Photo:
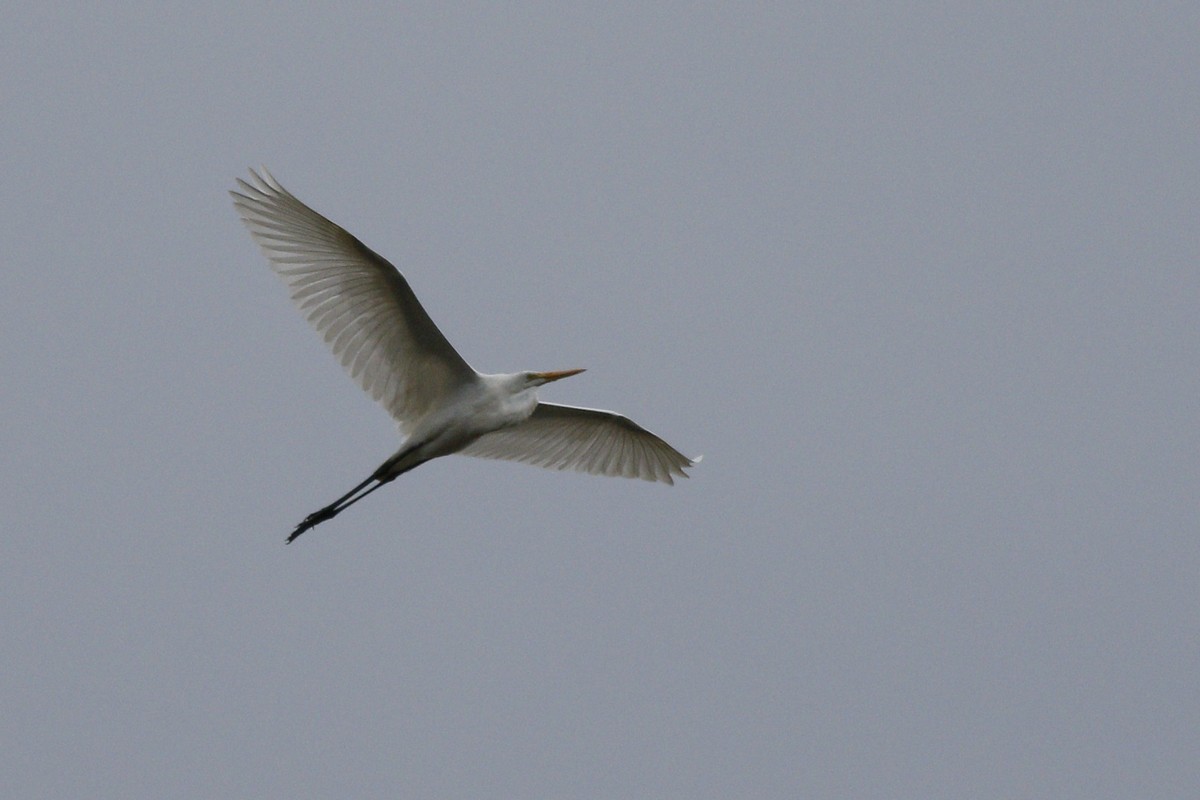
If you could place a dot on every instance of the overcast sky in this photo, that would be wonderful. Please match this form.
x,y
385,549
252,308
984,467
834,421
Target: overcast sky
x,y
920,284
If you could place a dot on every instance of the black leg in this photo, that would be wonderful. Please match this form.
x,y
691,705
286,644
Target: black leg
x,y
380,477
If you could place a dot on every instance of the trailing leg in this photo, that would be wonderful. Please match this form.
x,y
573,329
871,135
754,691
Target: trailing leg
x,y
384,474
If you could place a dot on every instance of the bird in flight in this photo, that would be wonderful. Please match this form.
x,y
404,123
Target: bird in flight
x,y
370,318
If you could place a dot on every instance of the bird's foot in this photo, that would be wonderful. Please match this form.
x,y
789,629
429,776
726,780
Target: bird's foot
x,y
312,520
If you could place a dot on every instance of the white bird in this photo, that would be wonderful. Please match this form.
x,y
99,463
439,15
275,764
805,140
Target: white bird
x,y
377,328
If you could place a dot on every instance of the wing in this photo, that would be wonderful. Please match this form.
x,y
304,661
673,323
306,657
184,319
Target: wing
x,y
359,302
584,439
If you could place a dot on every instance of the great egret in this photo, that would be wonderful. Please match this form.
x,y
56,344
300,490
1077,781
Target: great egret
x,y
377,328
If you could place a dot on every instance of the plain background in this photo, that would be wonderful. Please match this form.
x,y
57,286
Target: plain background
x,y
920,282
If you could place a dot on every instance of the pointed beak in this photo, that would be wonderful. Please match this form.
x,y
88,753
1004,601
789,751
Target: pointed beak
x,y
553,376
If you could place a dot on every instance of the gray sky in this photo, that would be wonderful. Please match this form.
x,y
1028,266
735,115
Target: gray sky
x,y
921,285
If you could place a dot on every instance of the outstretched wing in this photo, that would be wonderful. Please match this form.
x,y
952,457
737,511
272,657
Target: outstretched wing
x,y
584,439
360,303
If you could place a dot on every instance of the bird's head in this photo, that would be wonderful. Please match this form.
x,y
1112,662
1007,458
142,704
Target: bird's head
x,y
535,379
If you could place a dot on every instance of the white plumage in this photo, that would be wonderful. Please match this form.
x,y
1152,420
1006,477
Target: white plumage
x,y
370,318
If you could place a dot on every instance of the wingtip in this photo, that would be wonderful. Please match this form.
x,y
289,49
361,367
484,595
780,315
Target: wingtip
x,y
262,176
267,177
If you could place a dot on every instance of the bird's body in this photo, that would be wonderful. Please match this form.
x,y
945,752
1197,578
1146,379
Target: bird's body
x,y
370,317
484,404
